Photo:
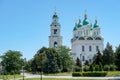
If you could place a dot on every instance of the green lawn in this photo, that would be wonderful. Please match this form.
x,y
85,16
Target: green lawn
x,y
55,79
113,73
9,76
110,73
60,74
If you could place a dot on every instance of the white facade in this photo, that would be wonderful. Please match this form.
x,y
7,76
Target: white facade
x,y
55,39
86,40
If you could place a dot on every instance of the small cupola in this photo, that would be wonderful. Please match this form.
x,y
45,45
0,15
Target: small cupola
x,y
95,25
85,22
75,28
79,24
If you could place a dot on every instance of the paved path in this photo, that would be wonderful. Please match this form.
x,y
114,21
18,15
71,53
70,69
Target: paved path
x,y
70,77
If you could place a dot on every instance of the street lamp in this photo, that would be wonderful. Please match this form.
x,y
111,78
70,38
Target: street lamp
x,y
41,67
23,67
41,64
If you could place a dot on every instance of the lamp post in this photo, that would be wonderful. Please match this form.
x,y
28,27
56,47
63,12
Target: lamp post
x,y
41,67
23,67
23,71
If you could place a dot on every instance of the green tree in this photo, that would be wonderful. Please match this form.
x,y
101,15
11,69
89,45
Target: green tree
x,y
108,55
117,57
91,67
45,60
78,62
12,62
50,65
33,66
39,59
78,65
87,63
27,65
97,59
65,58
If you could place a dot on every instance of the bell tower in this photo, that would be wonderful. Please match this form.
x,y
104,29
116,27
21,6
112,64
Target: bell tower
x,y
55,39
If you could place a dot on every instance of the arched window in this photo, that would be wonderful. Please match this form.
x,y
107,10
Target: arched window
x,y
97,48
55,31
89,38
81,38
83,58
55,44
90,48
97,38
83,48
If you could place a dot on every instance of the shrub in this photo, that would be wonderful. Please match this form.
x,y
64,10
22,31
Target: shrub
x,y
94,74
106,68
112,67
100,67
77,69
91,68
97,68
86,68
89,74
76,74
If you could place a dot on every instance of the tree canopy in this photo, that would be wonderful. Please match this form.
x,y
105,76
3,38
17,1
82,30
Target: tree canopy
x,y
12,62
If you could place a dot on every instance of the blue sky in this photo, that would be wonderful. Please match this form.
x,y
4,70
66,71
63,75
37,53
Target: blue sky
x,y
25,24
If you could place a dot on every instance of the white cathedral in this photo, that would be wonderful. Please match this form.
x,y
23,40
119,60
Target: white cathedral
x,y
86,39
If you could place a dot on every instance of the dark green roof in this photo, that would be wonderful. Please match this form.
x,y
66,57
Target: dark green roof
x,y
85,22
75,28
95,25
55,15
79,24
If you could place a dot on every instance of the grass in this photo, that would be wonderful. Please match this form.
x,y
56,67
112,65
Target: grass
x,y
113,73
60,74
110,73
55,79
9,76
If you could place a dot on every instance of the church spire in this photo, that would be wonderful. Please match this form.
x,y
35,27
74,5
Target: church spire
x,y
85,16
55,14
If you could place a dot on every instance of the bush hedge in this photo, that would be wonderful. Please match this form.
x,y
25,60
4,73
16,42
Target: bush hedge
x,y
76,74
89,74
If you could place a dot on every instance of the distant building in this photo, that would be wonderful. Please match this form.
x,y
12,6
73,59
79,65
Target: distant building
x,y
86,40
55,39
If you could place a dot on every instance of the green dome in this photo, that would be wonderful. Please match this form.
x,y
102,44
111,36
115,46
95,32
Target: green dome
x,y
75,28
55,15
85,22
79,24
95,25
